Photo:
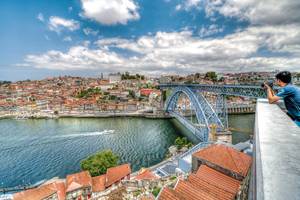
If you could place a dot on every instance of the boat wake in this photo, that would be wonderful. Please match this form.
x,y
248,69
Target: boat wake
x,y
85,134
62,138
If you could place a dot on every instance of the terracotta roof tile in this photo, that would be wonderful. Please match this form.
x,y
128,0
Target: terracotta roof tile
x,y
189,191
115,174
217,179
170,194
78,180
60,187
226,157
35,194
99,183
146,174
148,197
211,188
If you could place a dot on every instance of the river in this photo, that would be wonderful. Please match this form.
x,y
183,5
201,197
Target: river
x,y
34,150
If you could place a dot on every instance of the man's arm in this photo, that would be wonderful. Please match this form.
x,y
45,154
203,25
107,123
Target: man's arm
x,y
271,97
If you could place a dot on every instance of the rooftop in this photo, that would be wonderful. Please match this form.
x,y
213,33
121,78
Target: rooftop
x,y
42,192
190,191
146,174
99,183
169,194
226,157
217,179
115,174
78,180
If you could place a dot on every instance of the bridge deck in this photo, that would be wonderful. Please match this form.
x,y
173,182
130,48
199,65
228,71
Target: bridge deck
x,y
235,90
190,126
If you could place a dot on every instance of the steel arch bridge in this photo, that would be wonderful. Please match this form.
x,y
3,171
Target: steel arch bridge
x,y
206,113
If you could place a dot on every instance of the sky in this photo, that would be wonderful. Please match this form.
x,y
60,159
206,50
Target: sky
x,y
44,38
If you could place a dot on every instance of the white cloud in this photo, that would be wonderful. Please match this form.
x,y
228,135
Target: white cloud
x,y
256,11
40,17
57,24
210,30
89,31
110,12
192,3
178,7
188,5
67,39
178,52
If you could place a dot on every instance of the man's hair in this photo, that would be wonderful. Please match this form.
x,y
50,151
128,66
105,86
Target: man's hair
x,y
284,76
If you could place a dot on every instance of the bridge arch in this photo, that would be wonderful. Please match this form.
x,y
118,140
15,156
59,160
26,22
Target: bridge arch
x,y
204,112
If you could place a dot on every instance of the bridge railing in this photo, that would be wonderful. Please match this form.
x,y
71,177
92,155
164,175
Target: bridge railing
x,y
234,90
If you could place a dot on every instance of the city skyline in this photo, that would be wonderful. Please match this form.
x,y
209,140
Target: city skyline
x,y
87,37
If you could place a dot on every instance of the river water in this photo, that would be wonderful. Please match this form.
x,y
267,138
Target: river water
x,y
34,150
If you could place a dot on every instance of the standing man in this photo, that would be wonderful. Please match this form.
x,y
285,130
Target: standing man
x,y
289,93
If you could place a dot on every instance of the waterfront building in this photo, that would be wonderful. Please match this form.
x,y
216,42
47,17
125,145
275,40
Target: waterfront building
x,y
52,191
79,186
98,186
114,175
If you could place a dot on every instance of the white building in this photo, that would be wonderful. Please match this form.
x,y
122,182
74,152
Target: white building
x,y
114,78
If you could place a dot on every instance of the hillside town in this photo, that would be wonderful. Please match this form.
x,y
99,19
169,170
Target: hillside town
x,y
115,93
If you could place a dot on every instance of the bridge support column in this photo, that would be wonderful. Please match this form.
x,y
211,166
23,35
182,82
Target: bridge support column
x,y
221,109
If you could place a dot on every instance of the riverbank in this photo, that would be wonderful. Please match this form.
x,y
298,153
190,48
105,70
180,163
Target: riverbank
x,y
88,115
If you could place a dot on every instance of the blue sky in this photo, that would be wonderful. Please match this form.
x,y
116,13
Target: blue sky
x,y
41,38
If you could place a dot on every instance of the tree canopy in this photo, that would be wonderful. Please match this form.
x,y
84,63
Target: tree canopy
x,y
98,163
211,76
88,93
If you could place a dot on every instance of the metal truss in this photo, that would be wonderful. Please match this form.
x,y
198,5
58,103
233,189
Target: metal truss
x,y
207,114
221,109
234,90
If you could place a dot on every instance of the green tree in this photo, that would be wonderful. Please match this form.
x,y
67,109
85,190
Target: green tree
x,y
113,97
131,93
98,163
156,191
211,76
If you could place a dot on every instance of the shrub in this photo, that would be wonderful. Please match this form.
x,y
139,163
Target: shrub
x,y
98,163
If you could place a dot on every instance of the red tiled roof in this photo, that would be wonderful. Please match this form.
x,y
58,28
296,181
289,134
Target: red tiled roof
x,y
99,183
189,191
147,197
78,180
226,157
219,193
146,174
146,91
60,188
170,194
39,193
115,174
218,179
